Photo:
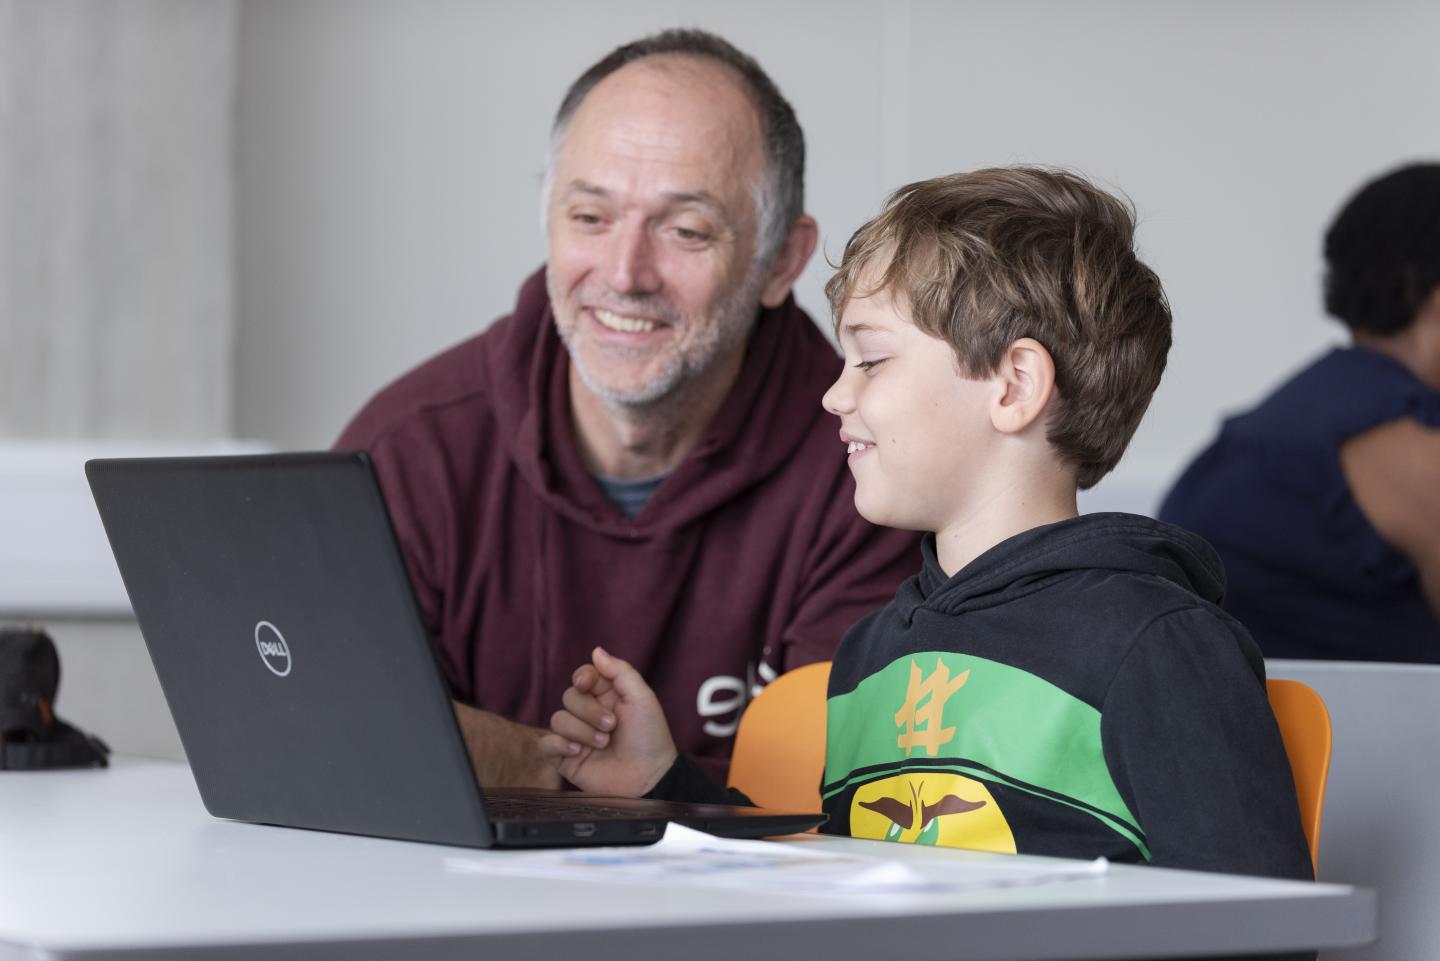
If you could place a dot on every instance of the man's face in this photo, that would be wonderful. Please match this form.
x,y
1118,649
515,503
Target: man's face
x,y
652,228
918,431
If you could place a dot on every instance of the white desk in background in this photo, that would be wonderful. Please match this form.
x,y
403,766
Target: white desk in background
x,y
126,863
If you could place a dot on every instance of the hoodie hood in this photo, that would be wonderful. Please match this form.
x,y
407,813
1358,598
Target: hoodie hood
x,y
1122,543
756,431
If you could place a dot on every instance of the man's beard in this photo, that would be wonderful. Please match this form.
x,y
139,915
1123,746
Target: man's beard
x,y
730,326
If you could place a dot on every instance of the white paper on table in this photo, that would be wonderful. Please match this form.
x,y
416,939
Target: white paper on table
x,y
689,857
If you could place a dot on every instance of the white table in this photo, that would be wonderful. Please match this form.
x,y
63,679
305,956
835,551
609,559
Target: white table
x,y
126,863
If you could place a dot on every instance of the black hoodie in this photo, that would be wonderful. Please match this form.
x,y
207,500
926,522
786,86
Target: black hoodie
x,y
1074,691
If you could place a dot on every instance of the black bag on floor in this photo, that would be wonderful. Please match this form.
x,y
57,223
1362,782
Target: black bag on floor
x,y
31,736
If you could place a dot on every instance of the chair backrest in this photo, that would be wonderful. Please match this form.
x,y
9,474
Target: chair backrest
x,y
1382,825
780,745
1305,729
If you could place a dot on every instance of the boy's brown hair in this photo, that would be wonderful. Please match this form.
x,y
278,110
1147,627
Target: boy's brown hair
x,y
982,259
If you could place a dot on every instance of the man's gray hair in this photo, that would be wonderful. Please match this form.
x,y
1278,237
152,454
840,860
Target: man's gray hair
x,y
780,193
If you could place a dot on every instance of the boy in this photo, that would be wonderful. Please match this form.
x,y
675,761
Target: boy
x,y
1048,683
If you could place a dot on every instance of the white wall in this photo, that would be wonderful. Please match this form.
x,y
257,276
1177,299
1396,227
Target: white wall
x,y
1237,128
115,218
116,307
389,156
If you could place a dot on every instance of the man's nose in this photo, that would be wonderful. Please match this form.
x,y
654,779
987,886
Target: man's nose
x,y
632,260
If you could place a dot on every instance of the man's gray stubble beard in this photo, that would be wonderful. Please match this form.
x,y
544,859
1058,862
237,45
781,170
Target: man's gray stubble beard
x,y
733,332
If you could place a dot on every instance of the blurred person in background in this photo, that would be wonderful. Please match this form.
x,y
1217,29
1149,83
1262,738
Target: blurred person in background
x,y
1324,501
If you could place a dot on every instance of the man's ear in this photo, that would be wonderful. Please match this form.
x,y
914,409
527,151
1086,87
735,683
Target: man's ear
x,y
794,255
1027,375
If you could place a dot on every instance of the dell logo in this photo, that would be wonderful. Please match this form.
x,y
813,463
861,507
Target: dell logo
x,y
273,649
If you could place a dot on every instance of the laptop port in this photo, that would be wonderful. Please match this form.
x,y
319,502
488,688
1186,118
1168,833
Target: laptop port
x,y
584,829
648,831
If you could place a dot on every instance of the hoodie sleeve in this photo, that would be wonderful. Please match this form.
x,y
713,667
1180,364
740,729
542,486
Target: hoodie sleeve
x,y
1194,749
688,782
852,568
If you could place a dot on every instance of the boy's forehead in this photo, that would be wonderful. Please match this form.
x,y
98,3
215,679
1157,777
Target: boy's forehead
x,y
872,310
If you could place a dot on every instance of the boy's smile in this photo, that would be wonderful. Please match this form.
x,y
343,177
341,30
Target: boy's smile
x,y
855,447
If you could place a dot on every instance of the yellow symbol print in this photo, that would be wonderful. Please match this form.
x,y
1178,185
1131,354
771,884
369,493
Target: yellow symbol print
x,y
931,808
921,722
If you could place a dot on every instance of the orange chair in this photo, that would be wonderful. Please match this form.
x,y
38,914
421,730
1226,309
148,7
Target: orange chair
x,y
780,744
1305,728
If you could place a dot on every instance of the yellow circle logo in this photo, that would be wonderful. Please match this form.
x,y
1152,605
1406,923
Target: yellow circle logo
x,y
931,808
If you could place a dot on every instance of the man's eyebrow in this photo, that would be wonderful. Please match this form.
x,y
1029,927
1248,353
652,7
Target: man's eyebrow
x,y
585,187
702,198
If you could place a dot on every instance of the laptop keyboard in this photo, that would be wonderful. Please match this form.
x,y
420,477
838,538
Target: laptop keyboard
x,y
510,807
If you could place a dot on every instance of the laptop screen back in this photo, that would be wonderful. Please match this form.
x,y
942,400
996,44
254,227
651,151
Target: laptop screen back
x,y
278,614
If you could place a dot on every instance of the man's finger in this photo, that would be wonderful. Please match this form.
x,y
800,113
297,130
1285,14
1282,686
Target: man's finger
x,y
554,746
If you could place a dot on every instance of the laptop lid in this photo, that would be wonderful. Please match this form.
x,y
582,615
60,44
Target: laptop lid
x,y
278,613
279,618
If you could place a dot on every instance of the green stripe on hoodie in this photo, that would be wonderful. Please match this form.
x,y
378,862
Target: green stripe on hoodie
x,y
996,723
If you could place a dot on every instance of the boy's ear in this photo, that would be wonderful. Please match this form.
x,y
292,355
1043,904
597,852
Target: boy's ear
x,y
1027,375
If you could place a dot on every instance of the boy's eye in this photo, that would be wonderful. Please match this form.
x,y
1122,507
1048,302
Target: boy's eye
x,y
870,364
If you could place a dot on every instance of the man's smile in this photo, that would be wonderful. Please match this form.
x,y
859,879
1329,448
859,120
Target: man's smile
x,y
623,323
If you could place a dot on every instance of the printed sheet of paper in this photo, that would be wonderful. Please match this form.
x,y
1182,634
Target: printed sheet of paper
x,y
688,857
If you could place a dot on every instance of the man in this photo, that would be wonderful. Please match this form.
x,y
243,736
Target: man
x,y
637,457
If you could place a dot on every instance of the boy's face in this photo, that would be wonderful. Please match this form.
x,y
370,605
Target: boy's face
x,y
919,432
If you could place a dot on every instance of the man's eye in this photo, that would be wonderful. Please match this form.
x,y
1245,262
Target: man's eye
x,y
690,235
585,219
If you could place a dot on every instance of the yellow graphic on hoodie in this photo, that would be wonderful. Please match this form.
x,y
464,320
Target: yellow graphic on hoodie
x,y
920,718
931,807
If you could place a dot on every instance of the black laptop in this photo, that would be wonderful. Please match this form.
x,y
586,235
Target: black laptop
x,y
277,610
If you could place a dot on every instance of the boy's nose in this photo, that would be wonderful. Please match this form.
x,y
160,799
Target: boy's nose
x,y
838,399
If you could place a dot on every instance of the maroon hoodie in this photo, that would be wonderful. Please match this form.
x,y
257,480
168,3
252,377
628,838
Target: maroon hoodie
x,y
748,560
